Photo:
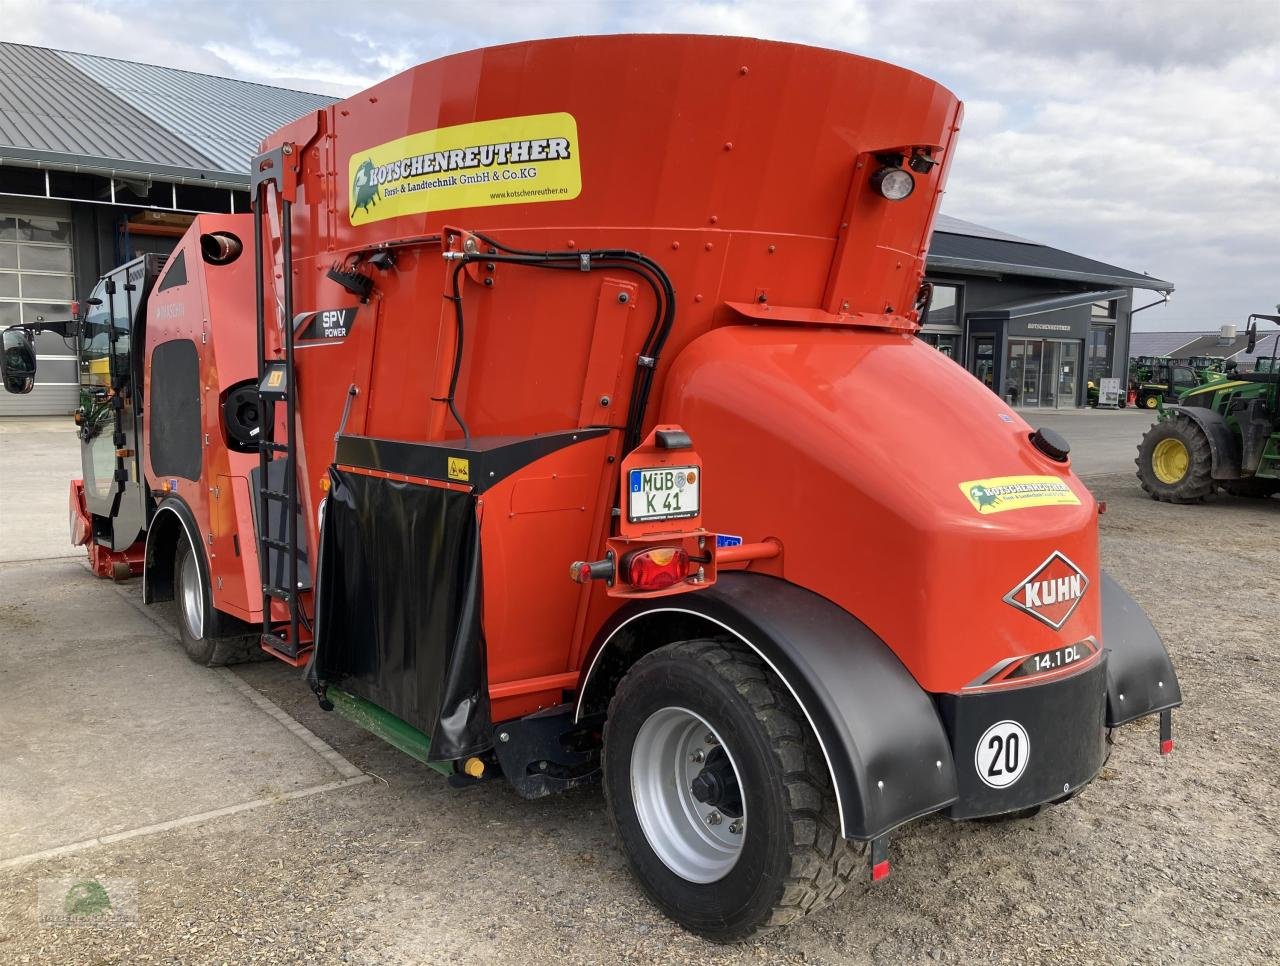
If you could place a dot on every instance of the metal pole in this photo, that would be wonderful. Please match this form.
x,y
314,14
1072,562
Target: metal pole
x,y
291,466
265,409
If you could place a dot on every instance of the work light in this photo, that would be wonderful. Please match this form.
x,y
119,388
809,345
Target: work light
x,y
894,183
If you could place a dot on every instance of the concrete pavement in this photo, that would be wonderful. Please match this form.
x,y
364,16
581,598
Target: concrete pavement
x,y
1102,440
41,458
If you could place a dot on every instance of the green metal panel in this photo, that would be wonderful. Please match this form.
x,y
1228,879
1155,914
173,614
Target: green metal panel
x,y
396,732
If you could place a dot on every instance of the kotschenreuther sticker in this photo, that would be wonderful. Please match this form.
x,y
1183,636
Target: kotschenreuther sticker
x,y
512,160
1002,493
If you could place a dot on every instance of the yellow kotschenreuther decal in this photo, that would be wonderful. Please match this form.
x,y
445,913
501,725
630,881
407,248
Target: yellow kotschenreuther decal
x,y
513,160
1002,493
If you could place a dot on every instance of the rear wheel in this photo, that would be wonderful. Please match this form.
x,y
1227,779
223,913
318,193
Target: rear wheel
x,y
209,637
1174,461
719,793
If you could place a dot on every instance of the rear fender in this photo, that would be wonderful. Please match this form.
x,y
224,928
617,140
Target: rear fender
x,y
884,745
171,522
1140,676
1224,446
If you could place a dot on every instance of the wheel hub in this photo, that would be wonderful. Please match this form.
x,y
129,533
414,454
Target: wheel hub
x,y
1170,461
687,794
192,598
717,784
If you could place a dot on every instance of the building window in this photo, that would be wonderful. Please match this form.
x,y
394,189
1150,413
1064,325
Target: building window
x,y
1042,373
1104,310
1102,340
35,268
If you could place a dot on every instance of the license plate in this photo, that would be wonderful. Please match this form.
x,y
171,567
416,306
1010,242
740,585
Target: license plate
x,y
1047,661
664,493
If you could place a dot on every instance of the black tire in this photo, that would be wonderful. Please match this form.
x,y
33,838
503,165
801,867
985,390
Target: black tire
x,y
793,859
1253,487
1149,400
222,639
1196,483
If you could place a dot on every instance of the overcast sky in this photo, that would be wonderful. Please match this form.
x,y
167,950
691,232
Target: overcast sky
x,y
1145,134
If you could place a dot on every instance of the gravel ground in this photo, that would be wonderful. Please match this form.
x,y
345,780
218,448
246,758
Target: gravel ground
x,y
1161,860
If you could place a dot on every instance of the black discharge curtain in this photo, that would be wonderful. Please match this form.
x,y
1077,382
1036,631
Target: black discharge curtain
x,y
398,607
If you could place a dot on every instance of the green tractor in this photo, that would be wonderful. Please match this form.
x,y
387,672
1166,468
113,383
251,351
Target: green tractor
x,y
1225,433
1163,380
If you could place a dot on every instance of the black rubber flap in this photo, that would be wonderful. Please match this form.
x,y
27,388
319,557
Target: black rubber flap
x,y
399,607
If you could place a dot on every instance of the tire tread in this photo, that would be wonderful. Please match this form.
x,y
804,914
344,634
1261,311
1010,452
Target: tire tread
x,y
822,863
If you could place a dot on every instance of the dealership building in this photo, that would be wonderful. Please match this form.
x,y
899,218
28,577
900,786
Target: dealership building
x,y
102,160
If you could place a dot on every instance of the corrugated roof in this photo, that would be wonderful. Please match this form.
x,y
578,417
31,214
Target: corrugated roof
x,y
97,111
1160,343
49,107
1180,345
966,252
224,119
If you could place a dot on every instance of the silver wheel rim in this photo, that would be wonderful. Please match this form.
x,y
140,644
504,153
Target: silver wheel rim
x,y
697,841
192,598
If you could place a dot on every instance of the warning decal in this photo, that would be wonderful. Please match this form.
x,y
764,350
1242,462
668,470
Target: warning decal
x,y
1002,493
512,160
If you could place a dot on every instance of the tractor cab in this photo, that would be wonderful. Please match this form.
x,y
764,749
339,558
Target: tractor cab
x,y
1166,380
114,496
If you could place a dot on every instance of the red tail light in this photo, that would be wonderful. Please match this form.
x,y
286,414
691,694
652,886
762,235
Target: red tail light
x,y
657,569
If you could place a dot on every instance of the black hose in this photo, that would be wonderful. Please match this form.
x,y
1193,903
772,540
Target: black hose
x,y
459,328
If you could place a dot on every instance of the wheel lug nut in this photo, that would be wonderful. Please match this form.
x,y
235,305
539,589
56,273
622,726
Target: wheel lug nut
x,y
711,739
715,818
736,827
698,756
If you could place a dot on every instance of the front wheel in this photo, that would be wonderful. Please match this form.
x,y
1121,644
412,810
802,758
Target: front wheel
x,y
719,792
1174,461
209,637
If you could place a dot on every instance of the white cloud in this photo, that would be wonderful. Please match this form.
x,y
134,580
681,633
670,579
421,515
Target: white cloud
x,y
1144,134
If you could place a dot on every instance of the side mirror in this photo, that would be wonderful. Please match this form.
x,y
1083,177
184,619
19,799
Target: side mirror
x,y
17,360
1253,336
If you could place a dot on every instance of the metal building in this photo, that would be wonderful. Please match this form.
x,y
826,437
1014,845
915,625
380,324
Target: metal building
x,y
1035,323
102,160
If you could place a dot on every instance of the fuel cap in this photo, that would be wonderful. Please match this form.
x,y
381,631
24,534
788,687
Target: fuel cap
x,y
1051,444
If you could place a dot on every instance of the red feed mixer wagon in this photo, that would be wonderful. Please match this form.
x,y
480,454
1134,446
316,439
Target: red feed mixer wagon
x,y
570,442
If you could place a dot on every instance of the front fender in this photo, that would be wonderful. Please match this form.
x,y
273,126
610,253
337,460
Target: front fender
x,y
1224,446
1140,676
886,749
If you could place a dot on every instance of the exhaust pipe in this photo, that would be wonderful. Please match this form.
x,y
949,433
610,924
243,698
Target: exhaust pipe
x,y
220,247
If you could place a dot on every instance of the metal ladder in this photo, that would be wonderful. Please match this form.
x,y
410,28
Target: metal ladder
x,y
281,637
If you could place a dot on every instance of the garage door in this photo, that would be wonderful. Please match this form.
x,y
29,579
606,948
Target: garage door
x,y
36,280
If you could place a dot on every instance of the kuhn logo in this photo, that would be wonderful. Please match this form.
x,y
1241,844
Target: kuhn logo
x,y
1051,592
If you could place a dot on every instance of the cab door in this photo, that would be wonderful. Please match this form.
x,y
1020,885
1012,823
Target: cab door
x,y
113,488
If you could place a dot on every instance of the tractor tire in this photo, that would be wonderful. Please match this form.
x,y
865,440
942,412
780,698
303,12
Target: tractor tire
x,y
1149,400
1253,487
1174,461
748,836
210,638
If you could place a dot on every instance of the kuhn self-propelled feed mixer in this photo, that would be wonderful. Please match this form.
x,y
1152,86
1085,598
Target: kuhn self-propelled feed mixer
x,y
575,443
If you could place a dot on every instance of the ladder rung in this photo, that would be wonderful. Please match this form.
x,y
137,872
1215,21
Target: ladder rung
x,y
273,446
274,495
276,544
277,592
